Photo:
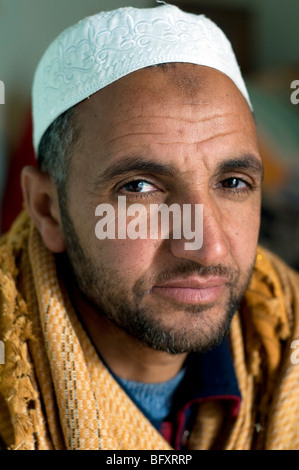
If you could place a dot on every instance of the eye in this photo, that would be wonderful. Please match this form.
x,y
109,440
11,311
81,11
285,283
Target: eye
x,y
235,186
235,183
138,186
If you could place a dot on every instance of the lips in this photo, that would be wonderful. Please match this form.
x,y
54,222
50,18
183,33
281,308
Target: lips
x,y
192,290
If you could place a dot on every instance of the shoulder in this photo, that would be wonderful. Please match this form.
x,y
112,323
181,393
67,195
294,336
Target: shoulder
x,y
281,279
270,308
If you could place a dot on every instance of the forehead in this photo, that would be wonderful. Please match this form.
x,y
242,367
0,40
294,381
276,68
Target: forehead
x,y
153,86
162,105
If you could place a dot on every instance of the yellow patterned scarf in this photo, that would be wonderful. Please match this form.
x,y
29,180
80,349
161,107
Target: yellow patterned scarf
x,y
55,393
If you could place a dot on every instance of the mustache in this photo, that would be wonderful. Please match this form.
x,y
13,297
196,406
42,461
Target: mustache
x,y
183,271
191,268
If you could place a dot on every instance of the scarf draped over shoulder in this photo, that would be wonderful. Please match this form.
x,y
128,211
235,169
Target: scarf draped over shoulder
x,y
55,392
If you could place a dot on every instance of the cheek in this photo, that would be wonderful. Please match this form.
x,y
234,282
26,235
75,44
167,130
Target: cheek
x,y
131,259
243,232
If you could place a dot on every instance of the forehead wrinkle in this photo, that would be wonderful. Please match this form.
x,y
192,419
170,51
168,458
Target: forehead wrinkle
x,y
179,118
111,141
173,118
195,142
218,118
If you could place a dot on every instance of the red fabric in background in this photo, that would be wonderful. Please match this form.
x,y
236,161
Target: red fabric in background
x,y
12,198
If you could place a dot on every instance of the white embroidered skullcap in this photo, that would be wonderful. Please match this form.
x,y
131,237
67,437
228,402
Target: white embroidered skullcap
x,y
105,47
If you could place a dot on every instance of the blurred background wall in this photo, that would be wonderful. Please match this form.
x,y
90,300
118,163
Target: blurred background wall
x,y
265,36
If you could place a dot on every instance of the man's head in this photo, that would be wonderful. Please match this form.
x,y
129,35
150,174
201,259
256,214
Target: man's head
x,y
179,133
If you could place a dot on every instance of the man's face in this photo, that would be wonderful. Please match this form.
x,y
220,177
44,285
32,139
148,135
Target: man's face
x,y
186,136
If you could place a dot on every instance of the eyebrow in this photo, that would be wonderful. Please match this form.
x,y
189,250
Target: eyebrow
x,y
247,162
130,164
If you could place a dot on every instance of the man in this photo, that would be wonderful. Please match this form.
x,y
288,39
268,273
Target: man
x,y
139,342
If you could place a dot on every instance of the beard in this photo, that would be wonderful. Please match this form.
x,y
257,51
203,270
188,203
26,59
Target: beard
x,y
203,326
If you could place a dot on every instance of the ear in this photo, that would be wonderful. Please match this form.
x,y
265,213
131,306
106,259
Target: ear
x,y
41,201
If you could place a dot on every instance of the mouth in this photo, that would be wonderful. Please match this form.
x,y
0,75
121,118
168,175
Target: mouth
x,y
192,291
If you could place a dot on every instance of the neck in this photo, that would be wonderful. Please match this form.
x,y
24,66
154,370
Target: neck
x,y
127,357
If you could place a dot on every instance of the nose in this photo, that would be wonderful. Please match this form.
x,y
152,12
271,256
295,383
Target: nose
x,y
215,243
